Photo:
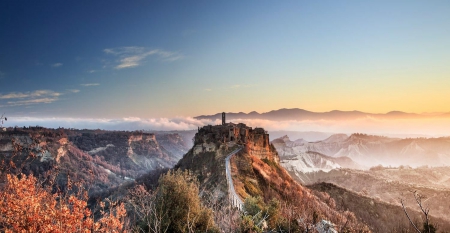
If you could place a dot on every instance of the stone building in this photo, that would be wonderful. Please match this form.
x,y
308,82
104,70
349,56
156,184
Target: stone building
x,y
228,132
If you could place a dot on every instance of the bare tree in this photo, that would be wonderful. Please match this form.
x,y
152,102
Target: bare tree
x,y
190,222
225,215
428,228
3,118
143,203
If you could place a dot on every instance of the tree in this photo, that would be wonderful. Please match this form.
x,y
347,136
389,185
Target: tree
x,y
27,206
427,226
3,118
149,218
254,215
258,216
174,206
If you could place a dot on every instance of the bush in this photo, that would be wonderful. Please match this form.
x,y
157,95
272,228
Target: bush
x,y
175,205
27,207
258,216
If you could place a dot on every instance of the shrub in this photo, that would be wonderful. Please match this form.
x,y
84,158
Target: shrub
x,y
175,205
25,206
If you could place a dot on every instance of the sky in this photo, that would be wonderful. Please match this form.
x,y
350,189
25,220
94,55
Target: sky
x,y
107,60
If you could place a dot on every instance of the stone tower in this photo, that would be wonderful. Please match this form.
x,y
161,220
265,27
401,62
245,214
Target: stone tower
x,y
223,118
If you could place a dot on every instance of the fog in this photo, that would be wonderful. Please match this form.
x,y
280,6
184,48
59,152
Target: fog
x,y
402,127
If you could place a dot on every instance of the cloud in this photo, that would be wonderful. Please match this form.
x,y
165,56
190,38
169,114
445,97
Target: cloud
x,y
14,95
57,65
228,88
92,71
32,97
89,84
2,75
28,98
32,101
130,57
434,127
37,93
237,86
129,123
73,90
430,127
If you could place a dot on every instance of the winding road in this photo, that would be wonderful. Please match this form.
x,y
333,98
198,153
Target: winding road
x,y
234,197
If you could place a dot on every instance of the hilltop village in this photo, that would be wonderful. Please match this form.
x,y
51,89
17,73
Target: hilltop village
x,y
254,140
230,132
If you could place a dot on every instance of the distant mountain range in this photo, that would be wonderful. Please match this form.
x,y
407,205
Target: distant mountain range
x,y
301,114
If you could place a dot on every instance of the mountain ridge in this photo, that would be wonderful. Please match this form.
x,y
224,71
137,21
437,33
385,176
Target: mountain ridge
x,y
302,114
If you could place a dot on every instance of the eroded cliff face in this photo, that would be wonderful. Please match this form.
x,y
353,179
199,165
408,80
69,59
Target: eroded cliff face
x,y
258,145
173,144
144,144
131,151
106,158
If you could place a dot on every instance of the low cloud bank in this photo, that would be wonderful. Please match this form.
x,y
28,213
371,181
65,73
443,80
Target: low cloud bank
x,y
430,127
130,123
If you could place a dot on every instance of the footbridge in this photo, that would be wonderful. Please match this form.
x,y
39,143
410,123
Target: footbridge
x,y
234,197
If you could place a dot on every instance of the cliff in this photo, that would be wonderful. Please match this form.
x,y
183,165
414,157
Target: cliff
x,y
103,159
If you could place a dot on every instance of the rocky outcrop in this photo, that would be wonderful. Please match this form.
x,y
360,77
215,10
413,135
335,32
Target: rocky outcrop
x,y
174,144
295,158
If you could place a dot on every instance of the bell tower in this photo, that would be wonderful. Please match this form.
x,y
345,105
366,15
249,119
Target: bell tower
x,y
223,118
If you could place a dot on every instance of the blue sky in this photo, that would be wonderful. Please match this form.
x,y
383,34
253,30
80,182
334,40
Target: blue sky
x,y
153,59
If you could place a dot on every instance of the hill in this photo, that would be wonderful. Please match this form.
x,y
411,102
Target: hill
x,y
392,184
256,172
378,215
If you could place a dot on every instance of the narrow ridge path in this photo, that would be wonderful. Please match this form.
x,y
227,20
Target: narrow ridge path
x,y
234,197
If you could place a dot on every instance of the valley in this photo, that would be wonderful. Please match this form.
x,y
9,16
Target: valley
x,y
114,162
353,163
103,159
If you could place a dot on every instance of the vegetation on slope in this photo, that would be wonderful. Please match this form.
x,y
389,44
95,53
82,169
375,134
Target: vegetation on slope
x,y
392,184
378,215
174,206
300,209
27,206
